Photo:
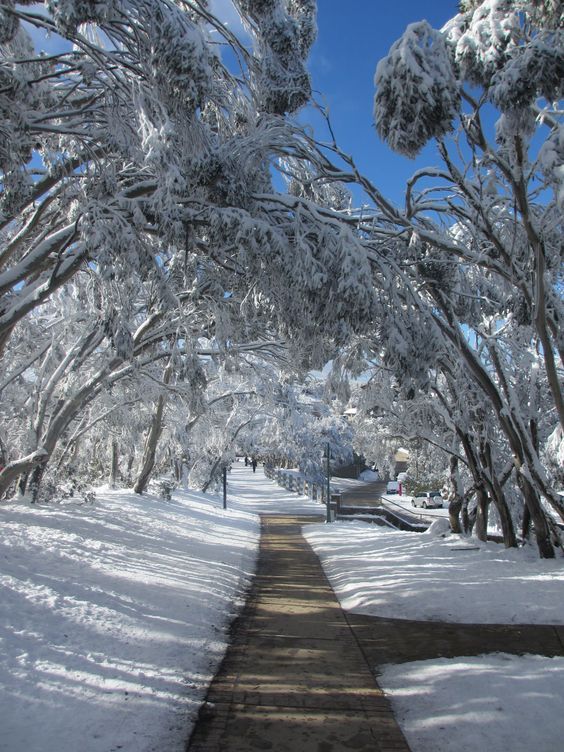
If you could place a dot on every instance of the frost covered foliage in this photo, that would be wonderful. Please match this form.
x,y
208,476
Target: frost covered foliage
x,y
70,14
284,32
470,308
514,50
551,160
17,99
493,47
417,96
482,39
144,149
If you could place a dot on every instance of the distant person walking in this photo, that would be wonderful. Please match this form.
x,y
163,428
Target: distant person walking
x,y
254,463
246,461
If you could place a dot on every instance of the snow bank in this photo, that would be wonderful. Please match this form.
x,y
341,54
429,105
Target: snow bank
x,y
113,618
421,576
495,702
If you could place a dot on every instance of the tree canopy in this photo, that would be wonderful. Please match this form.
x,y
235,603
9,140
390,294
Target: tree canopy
x,y
177,252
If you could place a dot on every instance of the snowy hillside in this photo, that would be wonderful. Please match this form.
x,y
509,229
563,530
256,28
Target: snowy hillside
x,y
113,617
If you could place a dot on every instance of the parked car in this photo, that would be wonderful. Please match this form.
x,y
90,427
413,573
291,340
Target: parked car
x,y
392,487
427,500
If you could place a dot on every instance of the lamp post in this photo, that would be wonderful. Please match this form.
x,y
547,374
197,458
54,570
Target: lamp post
x,y
327,456
225,488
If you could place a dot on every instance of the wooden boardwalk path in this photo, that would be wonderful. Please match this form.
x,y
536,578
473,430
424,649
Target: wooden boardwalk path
x,y
294,678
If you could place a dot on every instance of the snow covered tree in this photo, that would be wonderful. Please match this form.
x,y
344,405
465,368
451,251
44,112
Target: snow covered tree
x,y
496,56
297,428
469,271
136,169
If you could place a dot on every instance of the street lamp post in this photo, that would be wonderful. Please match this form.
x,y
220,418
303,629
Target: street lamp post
x,y
328,490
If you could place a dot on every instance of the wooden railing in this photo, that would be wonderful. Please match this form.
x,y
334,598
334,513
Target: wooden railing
x,y
295,481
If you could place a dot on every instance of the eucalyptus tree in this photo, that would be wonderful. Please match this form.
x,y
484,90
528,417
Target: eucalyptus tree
x,y
136,167
476,249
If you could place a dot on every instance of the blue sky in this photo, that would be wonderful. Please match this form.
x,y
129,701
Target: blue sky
x,y
352,37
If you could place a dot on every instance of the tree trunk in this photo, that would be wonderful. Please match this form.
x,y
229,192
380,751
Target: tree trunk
x,y
498,496
66,410
35,480
482,514
466,519
506,521
541,528
211,475
19,469
22,483
454,508
526,524
454,496
130,462
114,464
178,470
58,423
519,440
150,451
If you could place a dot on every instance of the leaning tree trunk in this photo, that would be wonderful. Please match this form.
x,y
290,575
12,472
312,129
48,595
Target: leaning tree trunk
x,y
498,496
150,450
507,526
519,441
542,530
58,423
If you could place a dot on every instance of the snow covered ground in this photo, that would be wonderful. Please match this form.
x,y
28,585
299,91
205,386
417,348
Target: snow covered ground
x,y
495,702
425,576
113,620
490,703
113,615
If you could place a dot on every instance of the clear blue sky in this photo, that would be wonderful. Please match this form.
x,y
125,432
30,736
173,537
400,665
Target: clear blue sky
x,y
352,37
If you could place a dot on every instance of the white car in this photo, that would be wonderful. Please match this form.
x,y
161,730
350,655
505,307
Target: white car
x,y
428,500
392,487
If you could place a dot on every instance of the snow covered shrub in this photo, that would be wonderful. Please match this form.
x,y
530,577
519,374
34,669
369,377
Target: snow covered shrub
x,y
53,490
